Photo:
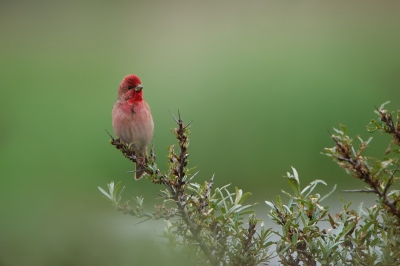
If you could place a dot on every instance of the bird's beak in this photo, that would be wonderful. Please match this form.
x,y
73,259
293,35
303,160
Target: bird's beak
x,y
138,87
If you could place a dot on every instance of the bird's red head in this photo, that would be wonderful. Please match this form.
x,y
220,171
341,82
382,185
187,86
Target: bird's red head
x,y
130,89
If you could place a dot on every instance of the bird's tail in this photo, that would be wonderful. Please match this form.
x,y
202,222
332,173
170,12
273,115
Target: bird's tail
x,y
139,171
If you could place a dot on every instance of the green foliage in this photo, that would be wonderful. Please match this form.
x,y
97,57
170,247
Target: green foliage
x,y
215,226
312,236
301,239
212,226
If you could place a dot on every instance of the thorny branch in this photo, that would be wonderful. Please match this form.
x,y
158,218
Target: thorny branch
x,y
390,128
357,165
177,187
175,183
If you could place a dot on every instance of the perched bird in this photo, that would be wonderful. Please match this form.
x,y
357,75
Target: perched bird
x,y
131,118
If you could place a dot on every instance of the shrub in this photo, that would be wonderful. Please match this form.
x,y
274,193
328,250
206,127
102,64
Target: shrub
x,y
216,227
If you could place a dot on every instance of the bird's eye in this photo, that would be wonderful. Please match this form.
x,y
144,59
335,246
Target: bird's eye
x,y
130,87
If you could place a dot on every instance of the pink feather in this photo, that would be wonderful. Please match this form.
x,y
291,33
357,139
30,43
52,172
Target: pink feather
x,y
131,118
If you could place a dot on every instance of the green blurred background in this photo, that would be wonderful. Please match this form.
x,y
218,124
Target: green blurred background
x,y
261,80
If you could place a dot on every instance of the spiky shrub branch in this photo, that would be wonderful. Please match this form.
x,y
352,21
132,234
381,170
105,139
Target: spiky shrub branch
x,y
369,236
210,222
378,175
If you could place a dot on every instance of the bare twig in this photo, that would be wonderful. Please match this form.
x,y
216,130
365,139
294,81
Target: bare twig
x,y
360,191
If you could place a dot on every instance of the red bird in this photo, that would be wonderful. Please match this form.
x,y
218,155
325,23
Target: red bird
x,y
131,118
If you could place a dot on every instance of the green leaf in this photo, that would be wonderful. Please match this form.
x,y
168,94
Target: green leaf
x,y
243,208
195,185
368,141
353,151
344,129
230,195
279,202
105,193
239,194
294,182
312,186
243,196
296,175
287,209
383,105
234,208
329,193
295,237
338,131
120,193
223,201
322,246
246,212
347,229
269,203
282,251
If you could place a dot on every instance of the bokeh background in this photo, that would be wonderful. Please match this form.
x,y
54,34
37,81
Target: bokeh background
x,y
262,81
